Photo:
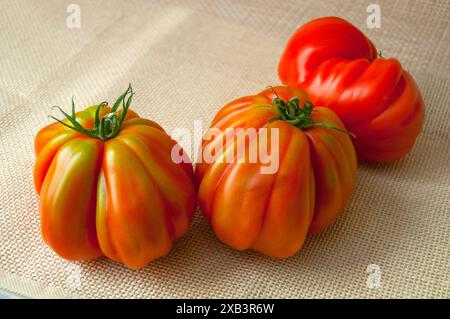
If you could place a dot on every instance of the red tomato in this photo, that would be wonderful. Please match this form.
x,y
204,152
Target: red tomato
x,y
376,98
108,186
272,213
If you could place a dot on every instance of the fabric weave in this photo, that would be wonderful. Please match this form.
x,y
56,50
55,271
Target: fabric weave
x,y
186,59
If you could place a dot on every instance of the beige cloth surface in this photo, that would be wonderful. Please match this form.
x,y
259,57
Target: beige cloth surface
x,y
185,60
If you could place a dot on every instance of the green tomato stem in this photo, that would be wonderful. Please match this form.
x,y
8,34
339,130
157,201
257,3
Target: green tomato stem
x,y
106,127
300,115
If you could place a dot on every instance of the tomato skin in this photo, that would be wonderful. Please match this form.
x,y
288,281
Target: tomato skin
x,y
124,197
377,100
273,213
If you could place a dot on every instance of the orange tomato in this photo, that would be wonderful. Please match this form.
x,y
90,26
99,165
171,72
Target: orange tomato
x,y
273,213
108,186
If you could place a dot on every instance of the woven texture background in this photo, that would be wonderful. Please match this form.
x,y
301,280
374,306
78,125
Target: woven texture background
x,y
185,60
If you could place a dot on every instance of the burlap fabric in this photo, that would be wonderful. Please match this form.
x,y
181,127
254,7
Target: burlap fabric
x,y
185,60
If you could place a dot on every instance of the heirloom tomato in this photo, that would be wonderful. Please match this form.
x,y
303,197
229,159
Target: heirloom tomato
x,y
108,186
272,212
376,98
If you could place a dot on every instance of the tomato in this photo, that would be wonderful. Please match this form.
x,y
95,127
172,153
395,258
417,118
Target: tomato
x,y
108,186
273,212
376,98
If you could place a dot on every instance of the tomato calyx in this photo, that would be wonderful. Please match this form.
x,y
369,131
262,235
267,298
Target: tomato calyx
x,y
299,115
109,125
291,112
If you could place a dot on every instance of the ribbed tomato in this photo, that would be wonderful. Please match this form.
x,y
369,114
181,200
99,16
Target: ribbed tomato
x,y
375,98
273,212
108,186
